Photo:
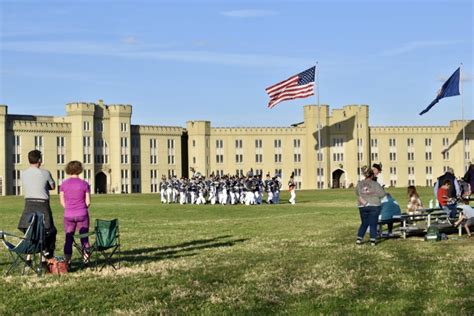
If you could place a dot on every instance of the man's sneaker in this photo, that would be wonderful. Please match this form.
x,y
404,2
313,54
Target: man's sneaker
x,y
359,241
372,243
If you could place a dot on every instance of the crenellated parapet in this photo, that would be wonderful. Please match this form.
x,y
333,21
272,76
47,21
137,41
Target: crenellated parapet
x,y
38,127
410,129
157,130
80,108
120,110
255,131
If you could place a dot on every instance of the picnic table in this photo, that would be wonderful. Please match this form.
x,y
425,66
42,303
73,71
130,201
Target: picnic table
x,y
422,220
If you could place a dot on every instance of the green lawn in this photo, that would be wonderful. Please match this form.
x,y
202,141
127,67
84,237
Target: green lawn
x,y
284,259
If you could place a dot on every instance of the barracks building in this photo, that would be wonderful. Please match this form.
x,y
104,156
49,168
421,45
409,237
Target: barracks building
x,y
119,157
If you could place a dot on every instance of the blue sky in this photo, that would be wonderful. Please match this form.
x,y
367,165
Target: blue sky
x,y
187,60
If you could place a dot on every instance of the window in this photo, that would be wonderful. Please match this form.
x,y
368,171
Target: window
x,y
446,155
153,151
360,156
411,170
60,176
219,151
16,182
320,172
123,150
239,158
135,181
411,156
258,143
87,175
296,143
445,141
392,142
86,144
393,156
374,142
60,150
194,143
87,126
278,172
124,180
278,158
410,142
374,156
153,181
277,143
123,127
393,183
428,142
428,156
238,143
429,182
429,170
393,170
135,153
16,149
258,158
171,151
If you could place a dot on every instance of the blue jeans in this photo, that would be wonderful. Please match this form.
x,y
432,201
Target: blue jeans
x,y
451,210
369,216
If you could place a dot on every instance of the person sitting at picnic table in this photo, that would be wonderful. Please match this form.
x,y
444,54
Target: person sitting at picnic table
x,y
445,201
466,217
389,210
370,194
414,203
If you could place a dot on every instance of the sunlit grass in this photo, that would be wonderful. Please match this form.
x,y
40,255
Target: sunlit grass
x,y
288,259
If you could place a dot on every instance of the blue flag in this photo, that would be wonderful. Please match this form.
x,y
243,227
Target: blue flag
x,y
449,89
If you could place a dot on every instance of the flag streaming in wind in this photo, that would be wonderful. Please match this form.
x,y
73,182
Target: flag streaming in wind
x,y
298,86
450,88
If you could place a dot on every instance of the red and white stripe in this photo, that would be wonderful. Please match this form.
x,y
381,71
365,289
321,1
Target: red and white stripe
x,y
288,90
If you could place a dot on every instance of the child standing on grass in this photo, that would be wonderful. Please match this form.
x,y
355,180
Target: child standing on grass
x,y
75,198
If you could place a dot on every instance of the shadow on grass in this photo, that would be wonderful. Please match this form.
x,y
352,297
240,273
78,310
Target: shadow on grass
x,y
186,249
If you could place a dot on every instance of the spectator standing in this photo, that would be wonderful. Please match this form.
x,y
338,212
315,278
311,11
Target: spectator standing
x,y
370,194
469,177
75,198
37,183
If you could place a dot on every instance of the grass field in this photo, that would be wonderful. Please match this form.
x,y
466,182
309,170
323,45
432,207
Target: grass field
x,y
284,259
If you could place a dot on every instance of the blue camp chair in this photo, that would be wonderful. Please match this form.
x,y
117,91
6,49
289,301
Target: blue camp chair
x,y
26,255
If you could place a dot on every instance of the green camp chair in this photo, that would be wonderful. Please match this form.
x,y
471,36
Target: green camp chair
x,y
106,244
27,253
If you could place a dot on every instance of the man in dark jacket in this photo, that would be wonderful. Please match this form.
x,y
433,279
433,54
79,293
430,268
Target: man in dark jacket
x,y
454,190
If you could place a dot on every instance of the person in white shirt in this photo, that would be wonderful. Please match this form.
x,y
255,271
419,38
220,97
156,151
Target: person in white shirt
x,y
466,217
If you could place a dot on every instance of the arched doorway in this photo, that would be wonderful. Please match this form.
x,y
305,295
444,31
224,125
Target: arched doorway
x,y
337,179
100,183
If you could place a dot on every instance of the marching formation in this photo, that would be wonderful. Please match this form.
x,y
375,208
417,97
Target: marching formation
x,y
226,189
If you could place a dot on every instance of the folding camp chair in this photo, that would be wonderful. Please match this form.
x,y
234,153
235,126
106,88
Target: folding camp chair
x,y
30,248
106,244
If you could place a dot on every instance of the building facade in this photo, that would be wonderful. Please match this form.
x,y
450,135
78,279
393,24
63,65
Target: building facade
x,y
119,157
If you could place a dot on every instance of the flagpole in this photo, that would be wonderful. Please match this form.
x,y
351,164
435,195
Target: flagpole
x,y
463,123
319,156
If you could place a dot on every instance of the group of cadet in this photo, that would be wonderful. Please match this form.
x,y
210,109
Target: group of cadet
x,y
226,189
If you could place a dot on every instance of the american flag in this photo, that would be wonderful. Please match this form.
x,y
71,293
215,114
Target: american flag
x,y
298,86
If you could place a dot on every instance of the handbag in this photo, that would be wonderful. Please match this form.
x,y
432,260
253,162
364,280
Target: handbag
x,y
57,265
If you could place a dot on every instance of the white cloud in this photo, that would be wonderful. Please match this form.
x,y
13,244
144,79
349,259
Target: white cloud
x,y
411,46
248,13
141,51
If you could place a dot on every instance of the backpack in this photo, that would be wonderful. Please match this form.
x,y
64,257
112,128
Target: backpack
x,y
432,234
